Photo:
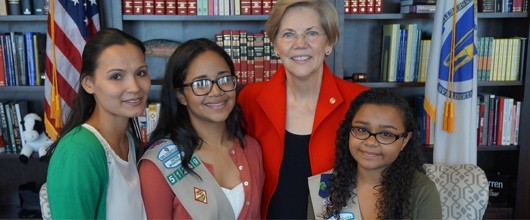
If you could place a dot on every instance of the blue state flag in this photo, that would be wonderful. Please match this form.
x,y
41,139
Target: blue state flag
x,y
451,86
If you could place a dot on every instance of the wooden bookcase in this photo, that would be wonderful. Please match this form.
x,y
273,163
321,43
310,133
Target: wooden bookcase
x,y
358,50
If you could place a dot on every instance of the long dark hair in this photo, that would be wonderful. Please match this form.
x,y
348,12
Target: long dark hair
x,y
84,103
397,179
176,124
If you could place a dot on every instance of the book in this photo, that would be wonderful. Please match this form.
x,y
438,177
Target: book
x,y
138,7
148,7
389,54
30,59
26,6
2,67
418,2
38,7
417,9
171,7
13,7
127,7
5,130
3,7
256,7
21,110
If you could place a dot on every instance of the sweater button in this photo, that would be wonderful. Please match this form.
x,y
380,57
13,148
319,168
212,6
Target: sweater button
x,y
245,183
332,100
232,152
240,167
247,203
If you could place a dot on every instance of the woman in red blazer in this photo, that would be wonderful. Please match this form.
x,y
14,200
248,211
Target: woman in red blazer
x,y
295,116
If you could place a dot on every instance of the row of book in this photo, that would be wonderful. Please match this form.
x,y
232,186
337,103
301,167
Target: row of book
x,y
144,124
11,115
404,56
502,6
363,6
253,55
197,7
497,121
22,58
24,7
500,59
417,6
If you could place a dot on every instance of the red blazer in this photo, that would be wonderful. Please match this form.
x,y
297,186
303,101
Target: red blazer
x,y
264,107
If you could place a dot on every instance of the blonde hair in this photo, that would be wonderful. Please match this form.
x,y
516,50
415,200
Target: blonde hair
x,y
329,19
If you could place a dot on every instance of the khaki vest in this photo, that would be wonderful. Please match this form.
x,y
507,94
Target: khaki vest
x,y
202,199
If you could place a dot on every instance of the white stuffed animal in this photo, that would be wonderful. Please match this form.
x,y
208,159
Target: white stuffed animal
x,y
34,137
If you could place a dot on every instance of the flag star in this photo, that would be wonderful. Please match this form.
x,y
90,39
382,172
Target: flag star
x,y
75,2
93,2
86,21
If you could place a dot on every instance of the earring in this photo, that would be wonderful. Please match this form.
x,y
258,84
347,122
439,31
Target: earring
x,y
277,54
328,53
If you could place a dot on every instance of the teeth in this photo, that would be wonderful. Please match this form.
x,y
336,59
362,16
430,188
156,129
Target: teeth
x,y
215,104
301,58
133,100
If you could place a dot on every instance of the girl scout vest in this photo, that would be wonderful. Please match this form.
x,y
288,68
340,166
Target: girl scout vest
x,y
203,199
319,190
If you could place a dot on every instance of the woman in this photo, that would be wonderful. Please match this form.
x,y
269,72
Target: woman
x,y
92,171
378,169
201,164
294,116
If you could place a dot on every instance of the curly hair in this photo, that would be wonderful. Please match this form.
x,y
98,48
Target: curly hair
x,y
397,179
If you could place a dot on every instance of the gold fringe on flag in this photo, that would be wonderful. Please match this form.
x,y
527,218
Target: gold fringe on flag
x,y
448,122
55,105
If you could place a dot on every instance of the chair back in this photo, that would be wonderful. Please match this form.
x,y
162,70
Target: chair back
x,y
463,188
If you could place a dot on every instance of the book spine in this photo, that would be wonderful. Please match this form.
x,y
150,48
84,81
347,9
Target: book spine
x,y
21,60
2,67
149,7
14,7
30,59
182,8
244,56
192,7
26,7
5,130
492,118
256,7
517,123
171,7
160,7
38,7
138,7
3,7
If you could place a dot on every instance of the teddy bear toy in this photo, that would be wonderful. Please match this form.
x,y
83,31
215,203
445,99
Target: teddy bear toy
x,y
34,138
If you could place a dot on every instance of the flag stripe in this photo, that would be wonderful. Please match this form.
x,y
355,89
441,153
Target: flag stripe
x,y
70,25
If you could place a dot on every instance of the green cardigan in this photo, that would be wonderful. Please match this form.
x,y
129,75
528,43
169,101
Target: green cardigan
x,y
78,177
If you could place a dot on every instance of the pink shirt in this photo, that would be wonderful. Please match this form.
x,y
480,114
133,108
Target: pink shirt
x,y
161,203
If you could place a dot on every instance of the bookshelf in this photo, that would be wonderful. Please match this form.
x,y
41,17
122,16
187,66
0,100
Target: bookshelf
x,y
360,42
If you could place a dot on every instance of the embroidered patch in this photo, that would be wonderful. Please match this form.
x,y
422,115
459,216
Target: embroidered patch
x,y
167,151
325,183
200,195
344,216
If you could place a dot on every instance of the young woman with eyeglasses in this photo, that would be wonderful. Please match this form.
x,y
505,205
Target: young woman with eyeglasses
x,y
200,163
294,116
378,171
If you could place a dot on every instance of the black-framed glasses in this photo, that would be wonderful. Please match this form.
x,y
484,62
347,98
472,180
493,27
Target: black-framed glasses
x,y
202,87
383,137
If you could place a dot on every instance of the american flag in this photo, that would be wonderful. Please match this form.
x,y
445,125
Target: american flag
x,y
70,25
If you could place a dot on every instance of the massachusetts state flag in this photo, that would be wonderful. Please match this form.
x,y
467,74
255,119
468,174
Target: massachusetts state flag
x,y
70,25
451,86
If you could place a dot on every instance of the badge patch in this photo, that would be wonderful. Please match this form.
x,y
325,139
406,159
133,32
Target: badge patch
x,y
167,151
200,195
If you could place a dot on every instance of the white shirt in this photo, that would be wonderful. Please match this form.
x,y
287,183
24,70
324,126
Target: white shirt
x,y
124,198
236,197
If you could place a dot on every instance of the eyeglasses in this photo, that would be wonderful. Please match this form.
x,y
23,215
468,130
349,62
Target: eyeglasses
x,y
310,36
382,137
204,86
